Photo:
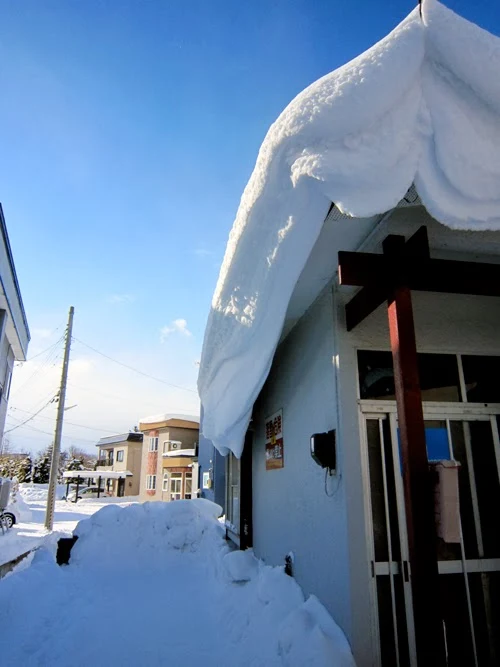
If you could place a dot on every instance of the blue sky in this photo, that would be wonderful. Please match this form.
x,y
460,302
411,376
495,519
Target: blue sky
x,y
128,132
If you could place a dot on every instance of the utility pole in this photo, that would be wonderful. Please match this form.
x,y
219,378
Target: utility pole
x,y
56,450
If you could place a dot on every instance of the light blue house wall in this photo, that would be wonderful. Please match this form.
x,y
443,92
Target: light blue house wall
x,y
292,509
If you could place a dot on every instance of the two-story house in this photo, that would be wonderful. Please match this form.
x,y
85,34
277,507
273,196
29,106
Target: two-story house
x,y
169,457
121,453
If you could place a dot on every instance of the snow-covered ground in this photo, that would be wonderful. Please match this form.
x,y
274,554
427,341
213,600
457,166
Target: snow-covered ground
x,y
28,534
157,584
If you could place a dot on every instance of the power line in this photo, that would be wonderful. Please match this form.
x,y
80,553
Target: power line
x,y
32,417
65,437
131,368
51,360
90,428
39,354
100,393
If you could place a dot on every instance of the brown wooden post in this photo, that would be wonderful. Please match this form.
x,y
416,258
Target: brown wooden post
x,y
422,539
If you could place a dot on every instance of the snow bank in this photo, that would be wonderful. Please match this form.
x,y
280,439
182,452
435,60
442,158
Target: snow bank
x,y
117,535
422,106
162,571
309,637
241,565
32,492
20,507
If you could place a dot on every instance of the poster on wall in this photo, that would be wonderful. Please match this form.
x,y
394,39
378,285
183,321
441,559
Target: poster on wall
x,y
274,441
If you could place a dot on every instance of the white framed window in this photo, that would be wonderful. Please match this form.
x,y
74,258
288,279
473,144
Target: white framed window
x,y
188,485
153,444
233,492
165,481
151,482
175,486
119,455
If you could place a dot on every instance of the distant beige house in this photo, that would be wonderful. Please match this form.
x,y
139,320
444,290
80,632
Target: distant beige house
x,y
121,453
169,457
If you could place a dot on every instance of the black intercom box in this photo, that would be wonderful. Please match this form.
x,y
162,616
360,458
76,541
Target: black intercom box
x,y
323,449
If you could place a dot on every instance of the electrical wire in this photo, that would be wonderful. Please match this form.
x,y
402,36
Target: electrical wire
x,y
32,417
39,354
64,437
43,367
100,393
90,428
131,368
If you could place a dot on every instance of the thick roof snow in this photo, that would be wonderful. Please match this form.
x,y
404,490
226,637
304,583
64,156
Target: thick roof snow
x,y
422,106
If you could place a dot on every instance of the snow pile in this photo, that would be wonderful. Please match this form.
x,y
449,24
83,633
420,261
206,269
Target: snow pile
x,y
311,638
119,536
241,565
422,106
33,492
170,590
18,504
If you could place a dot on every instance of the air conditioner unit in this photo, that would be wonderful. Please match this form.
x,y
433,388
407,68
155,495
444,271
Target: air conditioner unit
x,y
174,445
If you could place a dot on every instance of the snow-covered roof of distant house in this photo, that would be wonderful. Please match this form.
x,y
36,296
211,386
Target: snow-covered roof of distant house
x,y
420,107
121,437
95,474
157,419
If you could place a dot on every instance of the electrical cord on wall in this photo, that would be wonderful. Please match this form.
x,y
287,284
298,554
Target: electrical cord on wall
x,y
327,474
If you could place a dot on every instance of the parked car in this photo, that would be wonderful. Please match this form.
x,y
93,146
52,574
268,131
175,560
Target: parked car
x,y
86,492
11,516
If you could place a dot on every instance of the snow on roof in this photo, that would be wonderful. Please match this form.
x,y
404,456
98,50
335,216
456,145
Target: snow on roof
x,y
422,106
156,419
180,452
132,436
94,474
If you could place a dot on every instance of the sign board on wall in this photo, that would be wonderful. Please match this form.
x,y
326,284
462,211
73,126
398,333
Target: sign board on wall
x,y
274,441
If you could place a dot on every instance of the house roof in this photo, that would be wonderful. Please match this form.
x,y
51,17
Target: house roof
x,y
94,474
120,438
420,107
169,418
17,329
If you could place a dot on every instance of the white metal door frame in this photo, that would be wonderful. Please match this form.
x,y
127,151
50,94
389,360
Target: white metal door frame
x,y
380,411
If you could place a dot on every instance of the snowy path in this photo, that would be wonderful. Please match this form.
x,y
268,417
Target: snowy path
x,y
156,584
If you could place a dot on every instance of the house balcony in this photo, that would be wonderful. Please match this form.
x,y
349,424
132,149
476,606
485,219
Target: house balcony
x,y
174,453
105,463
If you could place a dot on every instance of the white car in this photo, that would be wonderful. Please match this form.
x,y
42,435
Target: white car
x,y
86,492
16,512
11,516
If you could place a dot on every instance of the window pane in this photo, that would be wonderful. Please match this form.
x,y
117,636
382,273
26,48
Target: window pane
x,y
481,379
439,380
